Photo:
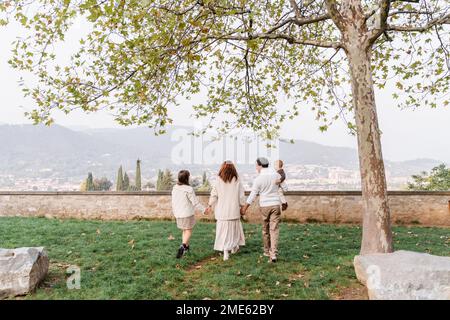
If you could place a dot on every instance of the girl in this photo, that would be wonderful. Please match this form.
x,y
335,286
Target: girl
x,y
184,204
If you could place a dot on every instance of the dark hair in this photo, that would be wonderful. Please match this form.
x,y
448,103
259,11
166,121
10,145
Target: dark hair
x,y
265,165
282,174
228,171
183,177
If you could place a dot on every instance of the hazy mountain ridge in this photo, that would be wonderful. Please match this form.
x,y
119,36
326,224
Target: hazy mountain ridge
x,y
39,151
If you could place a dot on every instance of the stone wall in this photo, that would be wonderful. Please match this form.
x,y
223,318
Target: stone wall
x,y
425,208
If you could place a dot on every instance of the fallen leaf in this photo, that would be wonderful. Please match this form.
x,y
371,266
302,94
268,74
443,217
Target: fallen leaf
x,y
171,237
277,283
258,291
285,295
98,231
289,285
198,267
305,256
249,276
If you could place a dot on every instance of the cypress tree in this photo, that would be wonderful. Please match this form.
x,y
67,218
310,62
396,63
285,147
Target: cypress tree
x,y
90,182
159,181
126,182
167,180
138,176
206,186
119,182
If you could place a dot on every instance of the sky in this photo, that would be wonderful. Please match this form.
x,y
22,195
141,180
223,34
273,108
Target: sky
x,y
407,134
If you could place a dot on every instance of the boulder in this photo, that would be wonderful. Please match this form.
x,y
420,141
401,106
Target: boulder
x,y
404,275
21,270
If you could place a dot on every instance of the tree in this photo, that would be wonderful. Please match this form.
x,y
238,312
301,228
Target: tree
x,y
165,180
102,184
159,180
206,186
83,186
437,180
119,181
168,181
126,182
90,182
142,57
138,180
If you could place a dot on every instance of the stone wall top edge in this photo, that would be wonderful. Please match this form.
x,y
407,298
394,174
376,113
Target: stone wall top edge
x,y
165,193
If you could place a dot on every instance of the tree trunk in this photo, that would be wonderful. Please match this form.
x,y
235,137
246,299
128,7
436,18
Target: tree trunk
x,y
377,234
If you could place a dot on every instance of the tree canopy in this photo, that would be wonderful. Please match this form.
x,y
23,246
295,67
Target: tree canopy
x,y
142,58
437,180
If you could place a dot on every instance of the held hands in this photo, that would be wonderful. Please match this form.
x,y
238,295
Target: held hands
x,y
207,210
243,211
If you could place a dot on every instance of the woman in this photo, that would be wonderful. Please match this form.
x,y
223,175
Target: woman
x,y
227,198
184,204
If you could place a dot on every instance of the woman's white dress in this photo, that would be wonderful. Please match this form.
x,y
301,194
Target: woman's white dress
x,y
226,199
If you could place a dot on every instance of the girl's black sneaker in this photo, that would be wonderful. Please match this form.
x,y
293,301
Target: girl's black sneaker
x,y
180,252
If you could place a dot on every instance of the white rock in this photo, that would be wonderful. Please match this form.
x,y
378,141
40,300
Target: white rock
x,y
404,275
21,270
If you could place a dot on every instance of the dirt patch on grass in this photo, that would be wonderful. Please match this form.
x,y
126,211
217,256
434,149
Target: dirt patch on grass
x,y
354,292
199,264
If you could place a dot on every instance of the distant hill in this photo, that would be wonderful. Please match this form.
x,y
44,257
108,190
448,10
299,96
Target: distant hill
x,y
39,151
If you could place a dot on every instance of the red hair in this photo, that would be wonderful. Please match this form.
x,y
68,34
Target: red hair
x,y
228,171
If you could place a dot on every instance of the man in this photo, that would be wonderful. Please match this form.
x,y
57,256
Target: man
x,y
266,186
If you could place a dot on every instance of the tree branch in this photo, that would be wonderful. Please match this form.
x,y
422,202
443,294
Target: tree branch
x,y
299,22
335,14
438,21
277,36
310,20
385,6
296,9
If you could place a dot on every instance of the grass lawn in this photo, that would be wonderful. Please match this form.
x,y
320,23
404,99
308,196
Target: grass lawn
x,y
136,259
